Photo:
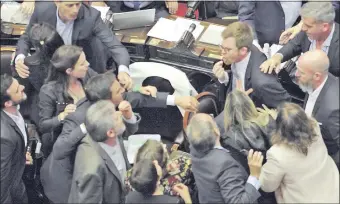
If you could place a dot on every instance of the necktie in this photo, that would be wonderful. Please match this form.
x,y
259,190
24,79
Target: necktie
x,y
136,4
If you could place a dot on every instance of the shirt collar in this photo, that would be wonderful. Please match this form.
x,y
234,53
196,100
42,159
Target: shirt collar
x,y
241,65
13,116
60,21
317,91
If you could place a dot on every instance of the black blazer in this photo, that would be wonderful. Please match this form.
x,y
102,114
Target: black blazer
x,y
267,87
13,160
326,111
87,26
300,44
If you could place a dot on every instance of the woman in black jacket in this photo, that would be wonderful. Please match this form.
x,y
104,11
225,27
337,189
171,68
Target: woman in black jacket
x,y
45,40
69,70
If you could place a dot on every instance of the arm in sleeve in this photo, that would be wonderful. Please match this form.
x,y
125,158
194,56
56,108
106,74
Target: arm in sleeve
x,y
293,47
333,126
68,140
7,148
87,188
118,51
271,173
272,93
131,128
233,187
47,121
138,100
24,45
246,13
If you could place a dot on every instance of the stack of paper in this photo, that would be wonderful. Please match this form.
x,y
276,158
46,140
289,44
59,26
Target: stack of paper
x,y
171,30
213,35
135,142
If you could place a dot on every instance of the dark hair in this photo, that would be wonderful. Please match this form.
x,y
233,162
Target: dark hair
x,y
6,81
144,177
294,128
64,57
45,39
99,87
153,150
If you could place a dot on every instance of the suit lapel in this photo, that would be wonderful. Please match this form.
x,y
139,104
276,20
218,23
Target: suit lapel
x,y
122,147
321,96
52,19
78,24
334,43
15,127
108,161
246,82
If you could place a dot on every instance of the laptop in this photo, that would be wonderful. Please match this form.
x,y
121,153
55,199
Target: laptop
x,y
133,19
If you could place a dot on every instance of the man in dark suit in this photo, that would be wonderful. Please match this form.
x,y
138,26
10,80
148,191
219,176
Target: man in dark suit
x,y
101,161
13,141
269,19
78,24
100,87
245,60
322,99
220,178
319,31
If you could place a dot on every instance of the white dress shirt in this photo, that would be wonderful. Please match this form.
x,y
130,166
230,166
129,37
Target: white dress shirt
x,y
326,43
313,96
238,69
291,10
19,121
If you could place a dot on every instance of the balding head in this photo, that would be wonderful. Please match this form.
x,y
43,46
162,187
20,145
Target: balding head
x,y
312,69
202,132
315,60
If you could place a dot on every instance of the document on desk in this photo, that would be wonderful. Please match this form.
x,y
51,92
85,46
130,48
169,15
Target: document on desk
x,y
213,35
136,141
172,30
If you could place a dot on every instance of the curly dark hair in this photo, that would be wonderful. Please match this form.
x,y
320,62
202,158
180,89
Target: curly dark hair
x,y
294,128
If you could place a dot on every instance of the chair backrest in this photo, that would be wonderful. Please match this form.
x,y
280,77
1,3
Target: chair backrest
x,y
6,58
208,104
163,121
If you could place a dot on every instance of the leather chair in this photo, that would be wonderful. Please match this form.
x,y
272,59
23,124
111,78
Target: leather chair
x,y
6,57
166,122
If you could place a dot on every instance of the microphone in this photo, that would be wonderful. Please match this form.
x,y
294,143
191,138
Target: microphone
x,y
192,6
188,37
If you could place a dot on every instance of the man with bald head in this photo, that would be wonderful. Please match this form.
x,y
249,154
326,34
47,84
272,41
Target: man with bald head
x,y
219,177
322,98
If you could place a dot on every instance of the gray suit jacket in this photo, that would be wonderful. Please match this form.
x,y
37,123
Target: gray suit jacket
x,y
266,18
87,26
267,88
96,178
301,44
60,163
326,111
221,179
13,159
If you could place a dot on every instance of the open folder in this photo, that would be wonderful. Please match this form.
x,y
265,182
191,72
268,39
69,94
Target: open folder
x,y
172,30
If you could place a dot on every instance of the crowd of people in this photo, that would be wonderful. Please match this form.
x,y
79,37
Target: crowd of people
x,y
77,91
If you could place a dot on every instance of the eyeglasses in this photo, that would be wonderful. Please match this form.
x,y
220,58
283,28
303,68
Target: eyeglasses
x,y
225,49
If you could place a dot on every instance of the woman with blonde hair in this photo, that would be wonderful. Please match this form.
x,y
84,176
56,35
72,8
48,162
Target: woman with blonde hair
x,y
298,166
244,127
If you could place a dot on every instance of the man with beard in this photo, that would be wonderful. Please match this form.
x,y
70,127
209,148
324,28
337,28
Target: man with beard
x,y
13,141
101,160
245,59
322,98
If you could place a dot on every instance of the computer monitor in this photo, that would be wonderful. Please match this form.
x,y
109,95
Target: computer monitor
x,y
133,19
